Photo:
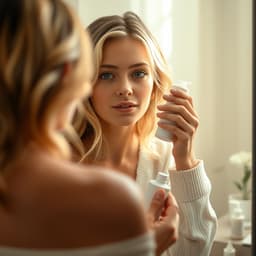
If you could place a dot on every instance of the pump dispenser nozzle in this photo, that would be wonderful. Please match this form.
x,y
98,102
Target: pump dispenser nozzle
x,y
229,250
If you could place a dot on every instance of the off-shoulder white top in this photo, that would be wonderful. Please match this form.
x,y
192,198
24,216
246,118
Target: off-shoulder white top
x,y
143,245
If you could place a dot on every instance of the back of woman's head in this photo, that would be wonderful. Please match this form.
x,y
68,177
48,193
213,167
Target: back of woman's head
x,y
38,38
115,26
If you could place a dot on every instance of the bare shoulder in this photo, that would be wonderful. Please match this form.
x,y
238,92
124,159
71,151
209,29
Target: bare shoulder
x,y
124,196
116,201
96,201
59,204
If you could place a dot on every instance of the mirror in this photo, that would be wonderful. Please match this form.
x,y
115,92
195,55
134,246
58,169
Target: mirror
x,y
254,134
208,42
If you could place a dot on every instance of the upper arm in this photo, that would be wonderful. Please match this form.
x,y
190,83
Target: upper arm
x,y
125,208
104,207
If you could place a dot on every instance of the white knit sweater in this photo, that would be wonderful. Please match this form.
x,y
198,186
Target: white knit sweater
x,y
191,188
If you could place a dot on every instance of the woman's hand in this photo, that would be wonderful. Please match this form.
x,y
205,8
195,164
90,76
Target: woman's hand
x,y
163,218
183,125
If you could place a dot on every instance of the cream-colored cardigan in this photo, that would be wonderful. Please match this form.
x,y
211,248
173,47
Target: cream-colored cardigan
x,y
191,188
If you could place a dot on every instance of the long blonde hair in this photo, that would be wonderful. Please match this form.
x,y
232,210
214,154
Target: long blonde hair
x,y
37,39
116,26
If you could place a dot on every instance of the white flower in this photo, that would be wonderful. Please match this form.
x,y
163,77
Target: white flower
x,y
242,158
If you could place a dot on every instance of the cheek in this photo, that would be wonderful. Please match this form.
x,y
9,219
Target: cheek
x,y
99,100
147,92
96,94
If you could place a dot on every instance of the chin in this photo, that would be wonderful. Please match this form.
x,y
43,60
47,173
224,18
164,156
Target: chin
x,y
127,123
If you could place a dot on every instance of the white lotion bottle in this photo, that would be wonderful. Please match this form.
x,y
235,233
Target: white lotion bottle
x,y
229,250
161,182
160,132
237,223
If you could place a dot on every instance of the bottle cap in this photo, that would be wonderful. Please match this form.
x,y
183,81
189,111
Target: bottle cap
x,y
182,85
162,177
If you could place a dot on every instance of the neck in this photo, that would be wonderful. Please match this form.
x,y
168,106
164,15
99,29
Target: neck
x,y
121,150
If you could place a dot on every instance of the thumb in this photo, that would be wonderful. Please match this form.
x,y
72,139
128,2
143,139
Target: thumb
x,y
156,205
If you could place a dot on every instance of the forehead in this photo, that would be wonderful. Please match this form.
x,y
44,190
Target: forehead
x,y
124,50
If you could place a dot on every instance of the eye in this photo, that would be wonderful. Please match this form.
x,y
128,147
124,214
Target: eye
x,y
139,74
106,76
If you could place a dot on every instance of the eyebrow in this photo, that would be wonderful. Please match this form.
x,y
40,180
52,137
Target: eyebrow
x,y
132,66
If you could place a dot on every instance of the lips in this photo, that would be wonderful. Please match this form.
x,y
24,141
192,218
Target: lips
x,y
125,105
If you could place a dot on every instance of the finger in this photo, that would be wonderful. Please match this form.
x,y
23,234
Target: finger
x,y
177,106
171,206
167,229
181,94
178,114
186,102
156,205
171,200
178,126
185,122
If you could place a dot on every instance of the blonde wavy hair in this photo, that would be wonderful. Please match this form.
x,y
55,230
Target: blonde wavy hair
x,y
37,39
101,30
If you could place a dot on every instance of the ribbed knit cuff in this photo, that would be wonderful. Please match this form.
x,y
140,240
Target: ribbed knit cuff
x,y
190,185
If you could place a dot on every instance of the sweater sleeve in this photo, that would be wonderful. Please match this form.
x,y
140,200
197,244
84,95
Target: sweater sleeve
x,y
198,221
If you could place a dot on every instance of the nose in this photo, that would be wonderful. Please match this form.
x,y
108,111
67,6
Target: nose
x,y
124,89
124,92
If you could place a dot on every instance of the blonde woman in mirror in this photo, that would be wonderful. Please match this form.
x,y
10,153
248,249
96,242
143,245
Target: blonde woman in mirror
x,y
130,77
49,205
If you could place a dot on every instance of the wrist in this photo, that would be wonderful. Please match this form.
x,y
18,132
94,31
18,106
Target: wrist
x,y
186,164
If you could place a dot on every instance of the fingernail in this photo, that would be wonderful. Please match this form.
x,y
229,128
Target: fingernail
x,y
159,195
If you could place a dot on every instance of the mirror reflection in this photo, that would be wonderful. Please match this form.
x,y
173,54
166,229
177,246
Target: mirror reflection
x,y
210,44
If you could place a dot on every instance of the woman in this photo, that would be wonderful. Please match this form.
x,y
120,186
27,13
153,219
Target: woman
x,y
49,205
130,78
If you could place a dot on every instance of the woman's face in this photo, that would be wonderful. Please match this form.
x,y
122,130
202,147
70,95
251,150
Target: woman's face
x,y
122,92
